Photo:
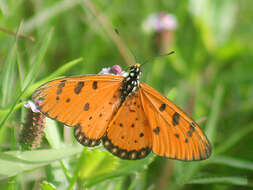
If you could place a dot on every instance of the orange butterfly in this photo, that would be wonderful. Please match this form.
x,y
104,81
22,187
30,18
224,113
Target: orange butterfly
x,y
130,117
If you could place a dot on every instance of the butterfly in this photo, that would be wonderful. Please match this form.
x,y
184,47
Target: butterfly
x,y
129,117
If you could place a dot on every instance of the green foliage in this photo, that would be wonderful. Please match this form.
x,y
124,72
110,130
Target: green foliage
x,y
16,162
47,186
209,76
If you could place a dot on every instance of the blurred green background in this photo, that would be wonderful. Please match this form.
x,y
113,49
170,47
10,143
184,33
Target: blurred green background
x,y
210,76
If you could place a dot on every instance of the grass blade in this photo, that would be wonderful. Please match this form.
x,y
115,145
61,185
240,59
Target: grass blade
x,y
234,139
38,60
47,186
232,162
211,126
48,13
7,75
55,74
238,181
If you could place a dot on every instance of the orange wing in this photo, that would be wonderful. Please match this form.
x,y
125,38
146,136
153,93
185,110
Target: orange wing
x,y
86,102
174,134
128,135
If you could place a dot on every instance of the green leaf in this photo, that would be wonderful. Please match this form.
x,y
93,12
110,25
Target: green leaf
x,y
15,162
232,162
35,65
7,75
96,162
13,107
52,134
234,139
47,186
124,168
213,118
48,14
238,181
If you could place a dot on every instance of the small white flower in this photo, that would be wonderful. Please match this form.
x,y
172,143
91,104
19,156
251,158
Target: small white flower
x,y
32,106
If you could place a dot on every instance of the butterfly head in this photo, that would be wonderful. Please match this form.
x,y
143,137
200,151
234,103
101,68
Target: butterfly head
x,y
135,71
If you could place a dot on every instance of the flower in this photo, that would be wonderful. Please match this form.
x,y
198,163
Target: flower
x,y
159,21
33,106
32,132
115,70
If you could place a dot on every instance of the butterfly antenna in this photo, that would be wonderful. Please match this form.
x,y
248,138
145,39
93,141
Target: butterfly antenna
x,y
135,58
153,58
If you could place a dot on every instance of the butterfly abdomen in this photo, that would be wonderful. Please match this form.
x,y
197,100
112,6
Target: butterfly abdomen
x,y
131,83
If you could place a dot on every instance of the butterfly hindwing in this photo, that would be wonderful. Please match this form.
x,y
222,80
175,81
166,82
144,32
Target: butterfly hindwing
x,y
128,135
86,103
174,134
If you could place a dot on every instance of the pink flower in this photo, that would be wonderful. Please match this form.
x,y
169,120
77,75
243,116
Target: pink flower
x,y
159,22
115,70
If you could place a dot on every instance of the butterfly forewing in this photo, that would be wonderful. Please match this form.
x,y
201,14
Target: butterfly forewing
x,y
87,102
128,135
174,134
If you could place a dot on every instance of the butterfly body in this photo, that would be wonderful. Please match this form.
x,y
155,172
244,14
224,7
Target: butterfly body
x,y
131,83
130,117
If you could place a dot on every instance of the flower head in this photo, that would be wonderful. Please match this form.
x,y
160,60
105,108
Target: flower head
x,y
115,70
160,21
33,106
32,131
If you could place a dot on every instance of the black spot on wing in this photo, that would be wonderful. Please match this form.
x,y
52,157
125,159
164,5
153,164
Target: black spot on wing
x,y
157,130
79,87
175,118
162,107
86,107
189,133
95,85
191,130
63,81
60,86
